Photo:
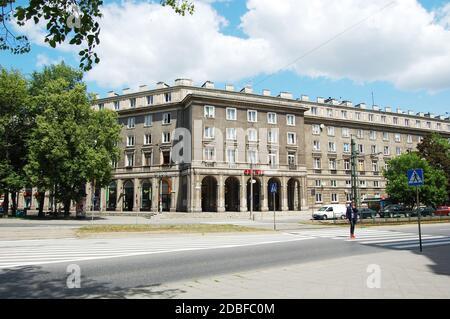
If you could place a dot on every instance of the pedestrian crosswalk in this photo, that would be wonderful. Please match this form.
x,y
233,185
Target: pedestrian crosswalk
x,y
382,238
37,252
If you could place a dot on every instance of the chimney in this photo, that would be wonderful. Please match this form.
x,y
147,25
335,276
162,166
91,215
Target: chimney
x,y
208,85
305,98
111,94
247,89
410,112
347,103
375,107
388,109
229,87
161,85
143,88
266,92
399,111
185,82
126,91
320,100
97,96
361,106
285,95
420,114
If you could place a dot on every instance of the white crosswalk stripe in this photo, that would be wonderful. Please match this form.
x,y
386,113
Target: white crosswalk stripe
x,y
383,238
36,252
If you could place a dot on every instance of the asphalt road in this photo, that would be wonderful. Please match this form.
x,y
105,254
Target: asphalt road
x,y
113,277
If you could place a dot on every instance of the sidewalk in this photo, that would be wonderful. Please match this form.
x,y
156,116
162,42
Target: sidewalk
x,y
404,274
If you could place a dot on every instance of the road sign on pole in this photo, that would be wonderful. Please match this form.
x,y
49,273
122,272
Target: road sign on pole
x,y
273,190
415,178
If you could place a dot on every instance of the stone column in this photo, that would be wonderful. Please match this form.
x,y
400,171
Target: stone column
x,y
119,204
187,204
34,205
174,194
88,196
265,198
103,199
46,201
198,194
155,194
244,207
137,195
21,199
297,195
304,194
284,202
221,195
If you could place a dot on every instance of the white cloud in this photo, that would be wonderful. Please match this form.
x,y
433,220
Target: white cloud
x,y
44,60
404,44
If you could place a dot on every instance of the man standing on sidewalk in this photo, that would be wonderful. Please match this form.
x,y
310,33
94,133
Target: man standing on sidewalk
x,y
352,217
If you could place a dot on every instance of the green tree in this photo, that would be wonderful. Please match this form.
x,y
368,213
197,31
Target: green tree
x,y
432,193
15,113
436,150
74,21
71,143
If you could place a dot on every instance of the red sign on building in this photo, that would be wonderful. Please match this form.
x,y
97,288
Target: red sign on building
x,y
256,172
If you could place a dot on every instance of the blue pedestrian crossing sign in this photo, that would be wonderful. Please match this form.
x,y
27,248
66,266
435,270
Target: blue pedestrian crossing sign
x,y
273,187
415,177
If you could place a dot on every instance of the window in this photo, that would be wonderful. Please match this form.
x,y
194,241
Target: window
x,y
317,163
345,132
209,153
252,156
231,114
373,135
406,122
332,164
272,118
252,116
344,114
386,150
373,149
272,158
149,99
252,135
357,115
291,158
332,147
330,112
231,134
370,117
147,139
290,120
362,183
330,130
209,132
409,138
148,159
398,150
131,122
334,198
348,183
291,138
209,111
316,145
383,118
428,124
166,118
314,110
272,136
418,124
316,129
360,133
347,165
386,166
166,137
374,166
438,126
165,157
333,183
168,97
346,148
376,184
231,155
361,165
116,105
395,120
129,160
130,140
385,136
114,163
148,120
133,102
101,106
318,183
361,148
318,198
397,137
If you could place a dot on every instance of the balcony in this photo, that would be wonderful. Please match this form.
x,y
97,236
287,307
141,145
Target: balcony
x,y
292,167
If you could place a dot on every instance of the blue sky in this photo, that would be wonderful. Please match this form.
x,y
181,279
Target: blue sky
x,y
311,77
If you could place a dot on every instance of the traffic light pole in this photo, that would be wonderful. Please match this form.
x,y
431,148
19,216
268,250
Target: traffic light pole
x,y
354,181
251,190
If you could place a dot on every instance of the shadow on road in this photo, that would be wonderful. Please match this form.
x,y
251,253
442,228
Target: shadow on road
x,y
440,256
31,282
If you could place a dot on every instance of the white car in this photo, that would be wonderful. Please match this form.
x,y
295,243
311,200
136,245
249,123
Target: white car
x,y
331,211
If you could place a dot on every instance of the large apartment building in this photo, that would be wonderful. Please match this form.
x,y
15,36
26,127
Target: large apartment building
x,y
188,148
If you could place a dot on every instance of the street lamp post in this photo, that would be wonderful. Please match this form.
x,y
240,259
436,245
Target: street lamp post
x,y
251,189
354,182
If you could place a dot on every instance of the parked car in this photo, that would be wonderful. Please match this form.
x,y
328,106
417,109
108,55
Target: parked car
x,y
424,211
394,210
366,213
442,211
330,211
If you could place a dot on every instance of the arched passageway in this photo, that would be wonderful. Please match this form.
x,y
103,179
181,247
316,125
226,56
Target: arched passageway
x,y
232,194
209,194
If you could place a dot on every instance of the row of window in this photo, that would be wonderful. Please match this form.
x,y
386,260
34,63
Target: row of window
x,y
252,115
362,116
360,148
165,138
335,197
167,98
348,183
333,164
252,135
148,120
373,135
